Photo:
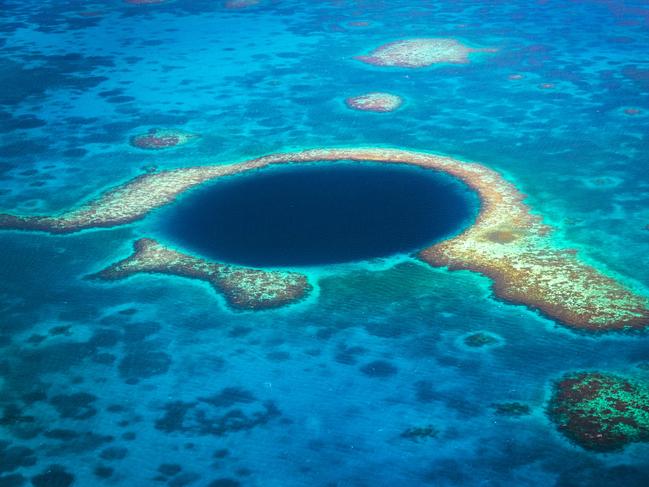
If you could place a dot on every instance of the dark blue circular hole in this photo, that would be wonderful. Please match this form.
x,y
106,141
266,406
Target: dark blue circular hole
x,y
319,213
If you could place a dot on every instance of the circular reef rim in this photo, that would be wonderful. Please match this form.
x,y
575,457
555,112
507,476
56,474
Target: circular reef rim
x,y
318,214
508,243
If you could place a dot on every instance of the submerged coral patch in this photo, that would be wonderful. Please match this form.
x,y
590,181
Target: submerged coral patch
x,y
379,369
375,102
481,339
206,417
513,409
632,111
14,457
156,139
144,364
237,4
529,269
420,433
145,2
54,475
359,23
418,53
600,412
602,182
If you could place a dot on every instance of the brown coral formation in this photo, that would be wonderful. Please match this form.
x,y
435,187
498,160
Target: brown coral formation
x,y
157,139
600,412
242,287
506,243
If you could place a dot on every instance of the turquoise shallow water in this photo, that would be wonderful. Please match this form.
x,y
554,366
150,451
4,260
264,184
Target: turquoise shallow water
x,y
154,381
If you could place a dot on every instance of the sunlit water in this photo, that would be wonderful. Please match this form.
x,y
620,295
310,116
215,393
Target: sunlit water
x,y
154,381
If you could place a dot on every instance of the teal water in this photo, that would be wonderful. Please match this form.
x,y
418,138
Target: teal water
x,y
154,381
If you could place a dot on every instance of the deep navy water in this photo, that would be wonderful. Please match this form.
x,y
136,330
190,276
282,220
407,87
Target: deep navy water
x,y
154,381
318,214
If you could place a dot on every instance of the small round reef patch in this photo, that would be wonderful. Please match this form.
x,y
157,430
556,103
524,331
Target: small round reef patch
x,y
600,412
420,433
157,139
145,2
358,23
236,4
480,339
375,102
631,111
418,53
512,409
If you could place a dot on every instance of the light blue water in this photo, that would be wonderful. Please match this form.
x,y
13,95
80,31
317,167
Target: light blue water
x,y
111,381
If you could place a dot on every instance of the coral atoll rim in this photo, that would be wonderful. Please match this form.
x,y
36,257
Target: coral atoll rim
x,y
506,243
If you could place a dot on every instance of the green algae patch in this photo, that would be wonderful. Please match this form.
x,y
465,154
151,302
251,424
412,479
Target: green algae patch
x,y
600,412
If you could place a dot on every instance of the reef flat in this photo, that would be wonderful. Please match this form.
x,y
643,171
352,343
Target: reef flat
x,y
506,242
157,139
600,412
375,102
419,53
243,288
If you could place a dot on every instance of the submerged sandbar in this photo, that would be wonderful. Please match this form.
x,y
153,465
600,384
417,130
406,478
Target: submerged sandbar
x,y
506,243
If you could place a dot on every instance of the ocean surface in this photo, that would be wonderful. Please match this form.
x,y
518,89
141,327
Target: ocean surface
x,y
369,382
